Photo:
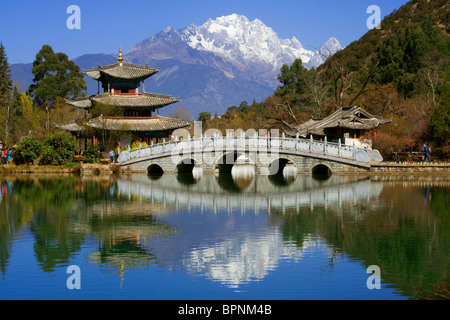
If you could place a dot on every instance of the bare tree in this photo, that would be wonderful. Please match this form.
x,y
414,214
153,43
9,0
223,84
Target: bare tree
x,y
343,80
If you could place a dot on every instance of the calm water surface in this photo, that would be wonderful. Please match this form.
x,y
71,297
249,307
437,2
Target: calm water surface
x,y
215,237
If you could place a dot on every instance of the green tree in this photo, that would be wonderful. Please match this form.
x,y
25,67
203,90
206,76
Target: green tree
x,y
303,89
91,153
5,73
29,115
294,80
5,90
28,150
58,148
204,116
55,76
440,121
400,57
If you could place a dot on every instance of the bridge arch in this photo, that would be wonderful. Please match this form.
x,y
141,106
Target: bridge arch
x,y
321,171
278,166
155,169
225,161
186,165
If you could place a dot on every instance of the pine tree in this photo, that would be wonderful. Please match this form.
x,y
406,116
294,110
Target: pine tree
x,y
5,74
5,90
55,77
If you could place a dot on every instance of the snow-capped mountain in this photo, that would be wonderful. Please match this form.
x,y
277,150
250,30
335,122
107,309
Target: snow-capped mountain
x,y
236,38
327,50
222,62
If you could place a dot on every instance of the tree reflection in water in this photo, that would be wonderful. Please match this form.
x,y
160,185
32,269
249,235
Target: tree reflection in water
x,y
233,229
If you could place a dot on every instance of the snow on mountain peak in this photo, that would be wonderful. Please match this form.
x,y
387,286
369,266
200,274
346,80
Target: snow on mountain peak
x,y
237,38
249,45
329,48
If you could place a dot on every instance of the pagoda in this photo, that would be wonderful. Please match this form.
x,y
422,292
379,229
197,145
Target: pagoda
x,y
135,113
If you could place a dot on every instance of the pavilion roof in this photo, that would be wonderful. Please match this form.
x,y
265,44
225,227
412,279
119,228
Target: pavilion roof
x,y
141,100
121,70
151,124
346,117
83,103
71,126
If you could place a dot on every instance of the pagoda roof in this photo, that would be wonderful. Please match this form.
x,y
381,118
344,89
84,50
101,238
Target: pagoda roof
x,y
123,100
71,126
346,117
121,70
135,124
83,103
141,100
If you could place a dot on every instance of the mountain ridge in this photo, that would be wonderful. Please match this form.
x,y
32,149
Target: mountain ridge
x,y
213,66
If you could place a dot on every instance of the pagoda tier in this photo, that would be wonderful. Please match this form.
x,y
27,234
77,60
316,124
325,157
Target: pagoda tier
x,y
155,125
144,100
121,70
158,126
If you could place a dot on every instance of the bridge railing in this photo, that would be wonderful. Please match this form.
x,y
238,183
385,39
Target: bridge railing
x,y
260,143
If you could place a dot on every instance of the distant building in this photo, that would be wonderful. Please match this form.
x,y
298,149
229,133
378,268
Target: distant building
x,y
349,124
135,116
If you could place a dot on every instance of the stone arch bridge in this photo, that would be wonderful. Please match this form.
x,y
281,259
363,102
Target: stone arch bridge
x,y
263,155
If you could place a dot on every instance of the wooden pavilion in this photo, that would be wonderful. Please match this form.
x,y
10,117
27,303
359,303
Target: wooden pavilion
x,y
129,115
349,124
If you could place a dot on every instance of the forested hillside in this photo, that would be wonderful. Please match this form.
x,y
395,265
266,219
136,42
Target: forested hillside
x,y
400,71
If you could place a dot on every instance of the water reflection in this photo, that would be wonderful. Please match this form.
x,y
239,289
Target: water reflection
x,y
262,193
232,229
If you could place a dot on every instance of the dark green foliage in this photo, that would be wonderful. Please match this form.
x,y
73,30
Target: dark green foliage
x,y
301,91
5,94
204,116
401,56
5,75
58,148
28,150
294,81
91,153
440,121
55,76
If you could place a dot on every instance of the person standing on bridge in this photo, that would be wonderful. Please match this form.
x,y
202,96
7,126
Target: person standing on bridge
x,y
111,155
426,152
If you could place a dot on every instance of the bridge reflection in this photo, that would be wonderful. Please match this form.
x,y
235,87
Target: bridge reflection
x,y
259,193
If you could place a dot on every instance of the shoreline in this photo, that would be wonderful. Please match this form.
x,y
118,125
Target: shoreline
x,y
97,169
23,169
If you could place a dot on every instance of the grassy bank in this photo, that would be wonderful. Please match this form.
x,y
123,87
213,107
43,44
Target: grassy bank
x,y
57,169
70,168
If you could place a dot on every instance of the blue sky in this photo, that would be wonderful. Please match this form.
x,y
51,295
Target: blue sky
x,y
28,24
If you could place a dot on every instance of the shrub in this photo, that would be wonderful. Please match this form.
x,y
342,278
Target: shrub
x,y
47,153
91,153
58,147
27,151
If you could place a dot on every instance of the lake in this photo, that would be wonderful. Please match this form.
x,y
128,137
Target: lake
x,y
211,236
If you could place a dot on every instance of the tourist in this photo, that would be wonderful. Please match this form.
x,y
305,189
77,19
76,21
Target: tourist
x,y
426,152
111,155
4,155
